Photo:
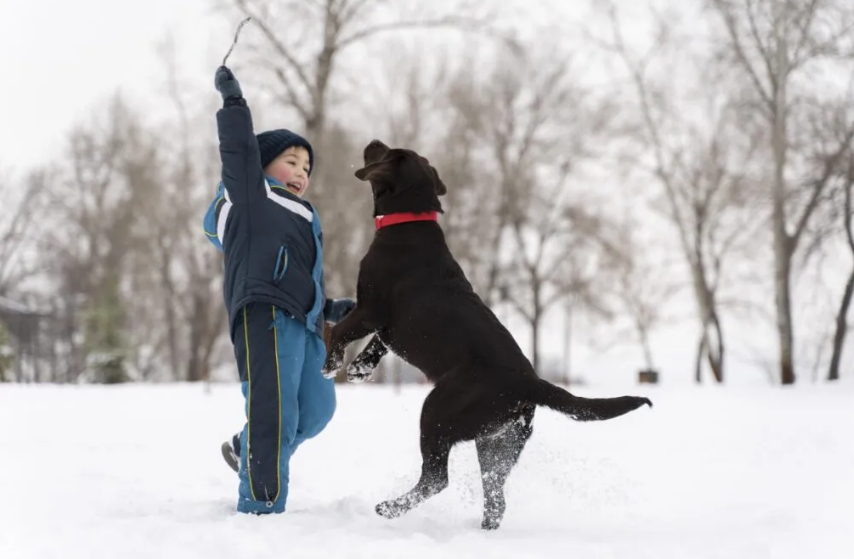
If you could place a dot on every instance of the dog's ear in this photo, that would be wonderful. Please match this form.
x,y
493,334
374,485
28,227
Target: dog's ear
x,y
372,171
441,189
376,160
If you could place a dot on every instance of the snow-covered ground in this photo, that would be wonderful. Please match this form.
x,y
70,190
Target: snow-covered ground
x,y
135,471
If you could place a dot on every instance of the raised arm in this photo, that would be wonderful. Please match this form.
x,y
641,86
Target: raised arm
x,y
242,174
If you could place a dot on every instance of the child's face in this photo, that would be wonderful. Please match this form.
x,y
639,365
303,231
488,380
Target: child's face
x,y
291,169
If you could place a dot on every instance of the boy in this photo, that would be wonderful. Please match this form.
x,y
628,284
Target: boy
x,y
274,293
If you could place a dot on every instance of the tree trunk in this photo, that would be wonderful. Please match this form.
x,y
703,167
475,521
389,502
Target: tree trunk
x,y
494,250
536,318
647,349
716,360
535,342
782,241
213,324
841,318
841,329
203,336
17,353
698,362
567,342
708,319
169,302
784,313
196,347
707,349
197,327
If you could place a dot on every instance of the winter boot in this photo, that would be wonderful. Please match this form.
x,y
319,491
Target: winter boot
x,y
231,452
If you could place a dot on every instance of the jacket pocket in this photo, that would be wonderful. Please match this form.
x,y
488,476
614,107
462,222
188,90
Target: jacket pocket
x,y
281,264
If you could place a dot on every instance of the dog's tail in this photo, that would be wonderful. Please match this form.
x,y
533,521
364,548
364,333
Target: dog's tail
x,y
543,393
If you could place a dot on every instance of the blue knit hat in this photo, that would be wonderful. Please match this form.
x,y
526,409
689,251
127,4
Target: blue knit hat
x,y
273,142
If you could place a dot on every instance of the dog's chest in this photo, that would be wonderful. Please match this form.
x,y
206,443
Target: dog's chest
x,y
383,267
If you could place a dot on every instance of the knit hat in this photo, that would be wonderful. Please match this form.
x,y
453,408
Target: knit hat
x,y
273,142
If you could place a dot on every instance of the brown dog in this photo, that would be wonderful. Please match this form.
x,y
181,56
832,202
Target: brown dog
x,y
415,299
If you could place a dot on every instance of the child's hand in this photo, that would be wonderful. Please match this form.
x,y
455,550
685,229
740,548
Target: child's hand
x,y
337,309
227,84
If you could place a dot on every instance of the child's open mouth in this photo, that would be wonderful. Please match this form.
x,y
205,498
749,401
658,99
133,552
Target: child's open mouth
x,y
295,187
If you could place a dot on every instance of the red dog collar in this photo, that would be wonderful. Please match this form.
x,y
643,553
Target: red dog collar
x,y
393,219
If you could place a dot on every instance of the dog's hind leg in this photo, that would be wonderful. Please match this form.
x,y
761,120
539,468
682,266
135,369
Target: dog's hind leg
x,y
436,441
497,453
434,479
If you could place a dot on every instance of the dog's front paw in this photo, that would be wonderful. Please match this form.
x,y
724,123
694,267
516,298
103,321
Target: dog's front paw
x,y
359,372
333,363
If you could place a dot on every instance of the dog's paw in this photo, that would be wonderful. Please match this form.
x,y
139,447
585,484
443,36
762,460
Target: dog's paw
x,y
490,523
333,363
389,509
359,373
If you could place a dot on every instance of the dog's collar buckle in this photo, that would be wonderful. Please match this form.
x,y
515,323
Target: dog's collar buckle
x,y
404,217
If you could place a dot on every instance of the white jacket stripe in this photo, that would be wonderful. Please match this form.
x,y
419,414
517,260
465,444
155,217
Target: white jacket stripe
x,y
295,207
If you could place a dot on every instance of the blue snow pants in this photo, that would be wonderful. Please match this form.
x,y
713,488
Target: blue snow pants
x,y
287,401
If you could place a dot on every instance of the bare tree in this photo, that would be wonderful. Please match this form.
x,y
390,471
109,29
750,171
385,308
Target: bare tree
x,y
554,255
95,202
7,353
189,270
17,229
476,214
538,127
441,111
303,58
535,126
505,143
415,98
827,126
698,155
777,44
304,61
643,285
847,193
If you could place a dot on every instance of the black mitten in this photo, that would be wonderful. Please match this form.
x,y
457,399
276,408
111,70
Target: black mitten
x,y
227,84
337,309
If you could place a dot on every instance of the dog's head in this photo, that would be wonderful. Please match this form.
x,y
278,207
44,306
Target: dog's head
x,y
401,180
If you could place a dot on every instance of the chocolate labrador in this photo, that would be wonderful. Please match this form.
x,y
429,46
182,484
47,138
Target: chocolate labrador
x,y
416,301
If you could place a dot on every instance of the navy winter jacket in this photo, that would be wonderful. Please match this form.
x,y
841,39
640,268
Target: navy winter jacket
x,y
272,240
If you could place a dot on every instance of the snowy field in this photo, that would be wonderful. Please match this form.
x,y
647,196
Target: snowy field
x,y
135,471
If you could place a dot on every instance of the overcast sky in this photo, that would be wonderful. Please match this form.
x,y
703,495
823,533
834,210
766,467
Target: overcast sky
x,y
61,57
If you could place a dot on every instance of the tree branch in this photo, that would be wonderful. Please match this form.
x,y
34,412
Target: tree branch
x,y
292,97
849,185
810,11
760,46
662,170
348,12
447,21
277,45
731,27
819,186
